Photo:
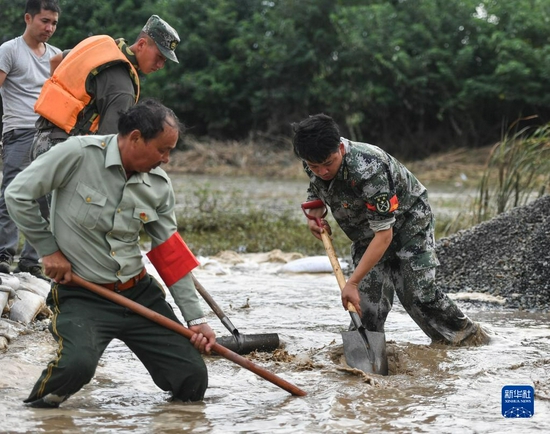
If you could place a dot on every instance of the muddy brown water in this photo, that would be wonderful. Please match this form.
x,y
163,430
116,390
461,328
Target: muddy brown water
x,y
430,389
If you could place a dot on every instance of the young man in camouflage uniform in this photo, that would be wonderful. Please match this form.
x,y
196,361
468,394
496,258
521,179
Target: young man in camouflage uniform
x,y
384,210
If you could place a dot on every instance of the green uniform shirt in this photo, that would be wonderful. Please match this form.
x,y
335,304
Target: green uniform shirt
x,y
371,192
97,213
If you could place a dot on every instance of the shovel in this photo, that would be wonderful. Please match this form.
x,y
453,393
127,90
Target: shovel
x,y
178,328
363,349
240,344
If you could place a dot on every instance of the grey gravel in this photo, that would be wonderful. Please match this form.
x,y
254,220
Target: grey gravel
x,y
508,257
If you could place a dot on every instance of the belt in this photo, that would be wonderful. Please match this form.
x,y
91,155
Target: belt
x,y
118,287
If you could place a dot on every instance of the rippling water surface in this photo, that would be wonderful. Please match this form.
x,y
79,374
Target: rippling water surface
x,y
429,389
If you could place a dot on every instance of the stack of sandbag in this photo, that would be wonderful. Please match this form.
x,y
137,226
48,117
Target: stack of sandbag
x,y
8,285
22,299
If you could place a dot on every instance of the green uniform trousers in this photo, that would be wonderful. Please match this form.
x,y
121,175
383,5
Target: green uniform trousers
x,y
84,323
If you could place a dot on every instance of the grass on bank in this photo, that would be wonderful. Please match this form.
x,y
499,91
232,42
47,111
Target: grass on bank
x,y
255,231
518,171
211,220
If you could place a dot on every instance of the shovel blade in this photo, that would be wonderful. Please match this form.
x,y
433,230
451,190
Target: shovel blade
x,y
371,358
246,344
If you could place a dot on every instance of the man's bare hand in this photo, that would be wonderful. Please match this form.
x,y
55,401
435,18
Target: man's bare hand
x,y
57,267
316,229
204,337
350,294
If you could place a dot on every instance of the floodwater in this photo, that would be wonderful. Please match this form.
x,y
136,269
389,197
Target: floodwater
x,y
430,389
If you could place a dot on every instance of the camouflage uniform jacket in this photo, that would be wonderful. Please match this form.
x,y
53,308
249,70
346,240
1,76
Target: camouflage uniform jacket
x,y
372,191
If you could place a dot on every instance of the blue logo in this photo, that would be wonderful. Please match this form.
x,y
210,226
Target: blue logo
x,y
518,401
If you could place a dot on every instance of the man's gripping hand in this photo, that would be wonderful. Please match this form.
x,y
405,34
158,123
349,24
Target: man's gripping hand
x,y
57,267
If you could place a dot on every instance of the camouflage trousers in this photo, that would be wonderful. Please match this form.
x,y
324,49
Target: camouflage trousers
x,y
412,278
42,143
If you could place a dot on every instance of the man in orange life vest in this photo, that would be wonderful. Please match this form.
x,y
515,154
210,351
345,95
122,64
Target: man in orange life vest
x,y
96,80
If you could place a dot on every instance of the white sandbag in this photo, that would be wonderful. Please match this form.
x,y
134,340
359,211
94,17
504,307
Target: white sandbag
x,y
26,307
477,296
33,284
9,330
10,280
6,293
312,264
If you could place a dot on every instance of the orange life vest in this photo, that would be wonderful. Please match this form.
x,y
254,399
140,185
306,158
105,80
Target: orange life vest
x,y
64,98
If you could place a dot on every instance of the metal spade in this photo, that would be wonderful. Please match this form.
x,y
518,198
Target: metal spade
x,y
238,343
363,349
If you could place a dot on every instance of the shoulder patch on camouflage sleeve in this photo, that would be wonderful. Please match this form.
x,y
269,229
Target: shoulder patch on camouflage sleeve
x,y
383,204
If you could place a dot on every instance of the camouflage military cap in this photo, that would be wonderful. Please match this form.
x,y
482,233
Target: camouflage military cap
x,y
164,35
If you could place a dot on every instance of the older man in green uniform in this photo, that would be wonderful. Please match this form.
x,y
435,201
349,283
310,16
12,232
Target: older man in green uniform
x,y
105,190
384,210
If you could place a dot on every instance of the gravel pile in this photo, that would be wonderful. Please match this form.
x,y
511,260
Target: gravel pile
x,y
508,256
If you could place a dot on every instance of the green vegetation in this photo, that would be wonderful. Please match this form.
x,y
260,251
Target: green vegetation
x,y
518,170
254,231
446,226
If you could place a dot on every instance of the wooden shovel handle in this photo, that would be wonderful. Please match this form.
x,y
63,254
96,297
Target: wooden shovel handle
x,y
329,248
327,242
177,327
